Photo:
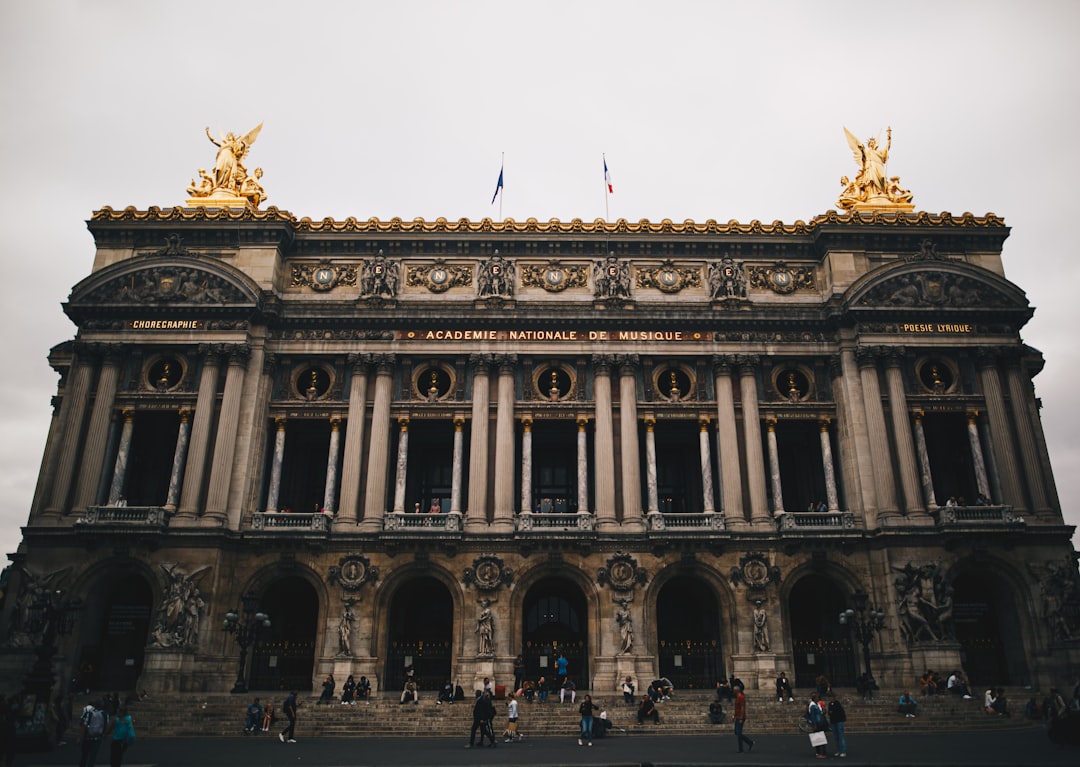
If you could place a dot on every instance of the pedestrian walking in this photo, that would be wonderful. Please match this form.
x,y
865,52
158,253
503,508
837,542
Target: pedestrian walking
x,y
93,721
482,714
586,710
838,720
740,720
289,709
123,736
815,714
511,733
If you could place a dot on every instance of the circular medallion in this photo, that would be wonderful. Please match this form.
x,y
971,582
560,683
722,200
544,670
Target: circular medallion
x,y
438,276
555,279
323,278
783,281
669,280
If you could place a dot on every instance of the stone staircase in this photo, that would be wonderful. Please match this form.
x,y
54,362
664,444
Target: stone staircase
x,y
222,715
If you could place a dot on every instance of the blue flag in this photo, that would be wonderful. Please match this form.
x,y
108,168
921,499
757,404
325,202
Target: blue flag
x,y
498,186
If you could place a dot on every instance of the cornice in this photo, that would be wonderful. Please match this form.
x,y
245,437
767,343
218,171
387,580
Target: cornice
x,y
666,226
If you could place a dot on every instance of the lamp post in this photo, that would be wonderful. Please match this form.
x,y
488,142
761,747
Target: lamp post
x,y
52,615
866,621
247,629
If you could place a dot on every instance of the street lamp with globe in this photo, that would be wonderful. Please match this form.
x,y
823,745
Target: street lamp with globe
x,y
865,621
248,629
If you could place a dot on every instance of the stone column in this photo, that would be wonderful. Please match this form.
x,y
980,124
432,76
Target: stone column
x,y
977,454
458,461
379,450
652,494
352,463
880,455
176,476
727,437
707,504
201,430
631,455
72,415
604,461
1021,396
526,465
755,463
505,464
905,447
774,468
97,433
831,496
273,490
116,488
330,493
402,465
217,498
1005,454
582,466
854,443
476,519
927,479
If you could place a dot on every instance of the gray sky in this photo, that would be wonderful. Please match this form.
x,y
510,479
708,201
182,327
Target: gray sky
x,y
706,110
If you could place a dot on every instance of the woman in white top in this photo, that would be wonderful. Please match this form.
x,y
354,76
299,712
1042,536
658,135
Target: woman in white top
x,y
511,733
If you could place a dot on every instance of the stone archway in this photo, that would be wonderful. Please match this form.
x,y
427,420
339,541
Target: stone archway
x,y
115,624
286,660
819,643
688,634
555,620
988,627
420,636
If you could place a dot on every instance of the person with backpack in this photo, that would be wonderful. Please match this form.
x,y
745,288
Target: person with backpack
x,y
93,721
483,713
289,709
123,736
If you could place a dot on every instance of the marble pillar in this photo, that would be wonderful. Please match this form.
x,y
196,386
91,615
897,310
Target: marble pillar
x,y
402,466
352,463
632,518
176,476
97,432
707,503
505,463
832,498
925,476
981,479
526,465
123,452
582,466
201,431
727,437
458,461
880,454
1020,394
330,493
1005,453
755,461
273,490
652,493
72,414
476,514
217,497
604,460
901,422
774,468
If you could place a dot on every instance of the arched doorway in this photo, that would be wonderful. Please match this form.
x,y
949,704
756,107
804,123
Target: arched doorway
x,y
987,626
556,621
115,627
420,636
688,634
286,660
821,645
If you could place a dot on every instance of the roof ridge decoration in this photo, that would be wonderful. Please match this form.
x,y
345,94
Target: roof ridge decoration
x,y
352,225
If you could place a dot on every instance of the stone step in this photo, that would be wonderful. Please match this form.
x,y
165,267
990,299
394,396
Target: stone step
x,y
223,715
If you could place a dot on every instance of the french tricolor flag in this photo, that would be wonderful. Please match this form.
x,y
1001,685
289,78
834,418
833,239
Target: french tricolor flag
x,y
607,178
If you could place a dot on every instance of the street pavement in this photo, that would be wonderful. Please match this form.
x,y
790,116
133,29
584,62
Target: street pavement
x,y
1016,748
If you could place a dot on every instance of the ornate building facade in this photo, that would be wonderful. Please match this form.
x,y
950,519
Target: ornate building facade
x,y
656,448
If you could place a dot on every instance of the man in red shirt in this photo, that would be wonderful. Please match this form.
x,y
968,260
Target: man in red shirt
x,y
740,719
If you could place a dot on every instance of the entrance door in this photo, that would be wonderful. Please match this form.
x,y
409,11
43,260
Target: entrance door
x,y
421,629
688,634
821,644
988,629
116,623
556,623
286,659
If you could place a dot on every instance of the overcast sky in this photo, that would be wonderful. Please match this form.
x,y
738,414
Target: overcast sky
x,y
705,110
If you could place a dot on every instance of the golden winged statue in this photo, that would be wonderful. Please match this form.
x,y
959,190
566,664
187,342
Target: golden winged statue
x,y
229,183
872,187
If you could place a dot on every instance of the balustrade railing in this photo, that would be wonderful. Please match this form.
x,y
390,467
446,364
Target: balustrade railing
x,y
282,520
136,516
420,523
570,521
982,516
812,521
709,520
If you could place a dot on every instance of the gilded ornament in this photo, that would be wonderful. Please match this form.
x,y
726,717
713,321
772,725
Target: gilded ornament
x,y
872,188
229,185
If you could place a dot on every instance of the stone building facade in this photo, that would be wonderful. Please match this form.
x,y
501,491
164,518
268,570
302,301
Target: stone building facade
x,y
678,449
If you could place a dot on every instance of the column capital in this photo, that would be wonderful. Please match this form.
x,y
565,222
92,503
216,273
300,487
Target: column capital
x,y
459,423
481,363
239,354
527,422
507,363
836,366
185,414
895,356
602,364
403,422
972,416
128,414
987,358
918,415
747,364
703,422
824,423
582,422
770,423
628,363
359,363
212,353
723,364
384,364
867,356
335,423
269,363
279,422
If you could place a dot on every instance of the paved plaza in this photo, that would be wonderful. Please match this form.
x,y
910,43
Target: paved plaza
x,y
1014,748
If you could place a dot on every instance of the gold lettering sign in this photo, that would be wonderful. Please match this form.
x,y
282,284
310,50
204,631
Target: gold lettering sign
x,y
166,325
934,327
551,335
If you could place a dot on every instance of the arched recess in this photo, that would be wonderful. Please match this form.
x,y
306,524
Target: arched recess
x,y
113,628
554,620
689,633
989,624
285,660
420,630
820,645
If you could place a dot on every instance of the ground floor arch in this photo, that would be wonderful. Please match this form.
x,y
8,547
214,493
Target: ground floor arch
x,y
115,625
820,645
419,635
555,622
690,649
988,625
285,658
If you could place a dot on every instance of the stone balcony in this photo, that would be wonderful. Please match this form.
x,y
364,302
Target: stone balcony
x,y
288,522
532,522
422,524
153,518
977,517
673,524
814,522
